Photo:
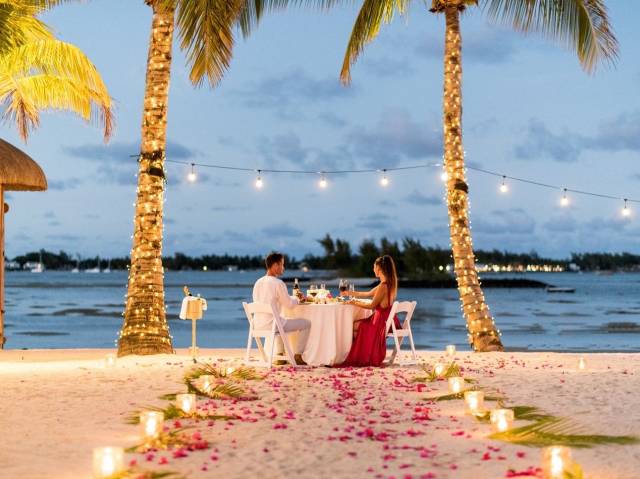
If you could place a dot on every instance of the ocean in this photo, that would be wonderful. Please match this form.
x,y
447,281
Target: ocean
x,y
64,310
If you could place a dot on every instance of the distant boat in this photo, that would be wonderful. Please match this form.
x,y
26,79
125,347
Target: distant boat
x,y
108,268
77,268
559,289
94,270
35,267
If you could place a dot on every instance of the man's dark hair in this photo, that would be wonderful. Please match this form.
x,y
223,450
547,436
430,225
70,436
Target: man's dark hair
x,y
273,258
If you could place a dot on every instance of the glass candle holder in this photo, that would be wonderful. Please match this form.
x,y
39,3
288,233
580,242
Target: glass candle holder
x,y
456,384
107,461
439,369
207,382
186,402
451,350
230,370
501,419
151,423
110,360
474,402
556,460
582,364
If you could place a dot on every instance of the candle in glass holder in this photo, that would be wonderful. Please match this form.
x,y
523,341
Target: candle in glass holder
x,y
474,401
151,423
230,370
501,419
207,381
451,350
439,369
556,460
582,365
186,402
107,461
456,384
110,360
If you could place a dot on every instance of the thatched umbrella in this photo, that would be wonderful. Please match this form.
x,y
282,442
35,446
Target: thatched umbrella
x,y
18,172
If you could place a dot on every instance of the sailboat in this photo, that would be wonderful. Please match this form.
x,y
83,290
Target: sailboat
x,y
77,268
39,266
108,268
94,270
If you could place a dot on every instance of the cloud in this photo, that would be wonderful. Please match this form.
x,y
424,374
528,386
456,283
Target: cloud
x,y
487,47
62,185
375,222
64,237
282,230
564,223
396,137
332,120
620,133
418,198
389,67
49,214
122,152
287,146
505,222
284,93
541,143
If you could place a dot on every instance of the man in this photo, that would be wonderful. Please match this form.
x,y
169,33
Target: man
x,y
270,289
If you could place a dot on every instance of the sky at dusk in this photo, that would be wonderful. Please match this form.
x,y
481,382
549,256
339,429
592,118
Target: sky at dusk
x,y
529,111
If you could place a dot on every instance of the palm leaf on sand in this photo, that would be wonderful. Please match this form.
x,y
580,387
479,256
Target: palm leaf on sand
x,y
452,370
174,412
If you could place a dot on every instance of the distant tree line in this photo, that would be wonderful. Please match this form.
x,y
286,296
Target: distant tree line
x,y
414,260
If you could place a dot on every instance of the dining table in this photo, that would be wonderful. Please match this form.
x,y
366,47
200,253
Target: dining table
x,y
331,330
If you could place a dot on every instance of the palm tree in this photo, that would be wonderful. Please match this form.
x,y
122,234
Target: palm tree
x,y
582,25
206,34
39,72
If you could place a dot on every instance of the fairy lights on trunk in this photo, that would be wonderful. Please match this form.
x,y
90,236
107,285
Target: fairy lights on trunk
x,y
145,329
483,334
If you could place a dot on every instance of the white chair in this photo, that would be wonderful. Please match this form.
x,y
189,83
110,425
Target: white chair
x,y
279,327
398,335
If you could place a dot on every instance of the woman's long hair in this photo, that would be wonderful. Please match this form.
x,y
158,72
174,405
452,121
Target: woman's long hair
x,y
388,268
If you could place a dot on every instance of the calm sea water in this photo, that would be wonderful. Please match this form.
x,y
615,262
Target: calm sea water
x,y
65,310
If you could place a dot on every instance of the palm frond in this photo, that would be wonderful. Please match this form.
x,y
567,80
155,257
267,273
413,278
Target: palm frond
x,y
558,431
137,473
49,74
229,390
460,395
174,412
581,25
253,10
370,18
243,372
453,370
206,34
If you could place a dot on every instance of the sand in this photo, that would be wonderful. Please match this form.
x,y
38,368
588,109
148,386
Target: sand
x,y
57,405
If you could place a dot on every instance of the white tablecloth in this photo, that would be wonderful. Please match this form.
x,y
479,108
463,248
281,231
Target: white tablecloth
x,y
329,339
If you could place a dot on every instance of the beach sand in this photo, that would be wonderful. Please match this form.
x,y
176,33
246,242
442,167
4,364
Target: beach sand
x,y
57,405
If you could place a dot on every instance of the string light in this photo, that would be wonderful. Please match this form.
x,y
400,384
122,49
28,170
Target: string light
x,y
384,181
625,210
192,174
323,181
503,187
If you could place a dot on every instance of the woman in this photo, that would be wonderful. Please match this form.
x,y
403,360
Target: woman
x,y
370,344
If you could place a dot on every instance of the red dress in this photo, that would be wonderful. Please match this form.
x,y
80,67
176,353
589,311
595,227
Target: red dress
x,y
370,346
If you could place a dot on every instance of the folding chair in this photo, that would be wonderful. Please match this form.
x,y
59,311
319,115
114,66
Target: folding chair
x,y
279,327
398,335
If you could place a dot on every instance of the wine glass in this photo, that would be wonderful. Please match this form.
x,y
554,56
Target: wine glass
x,y
342,286
352,290
313,290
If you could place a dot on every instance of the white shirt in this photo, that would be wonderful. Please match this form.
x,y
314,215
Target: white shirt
x,y
271,290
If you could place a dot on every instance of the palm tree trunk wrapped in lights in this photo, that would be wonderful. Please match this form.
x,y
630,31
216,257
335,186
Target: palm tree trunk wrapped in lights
x,y
145,329
483,334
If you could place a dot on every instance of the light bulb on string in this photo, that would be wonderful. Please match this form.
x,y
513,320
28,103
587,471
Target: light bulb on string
x,y
384,181
564,201
444,176
259,183
503,187
323,183
192,176
625,210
